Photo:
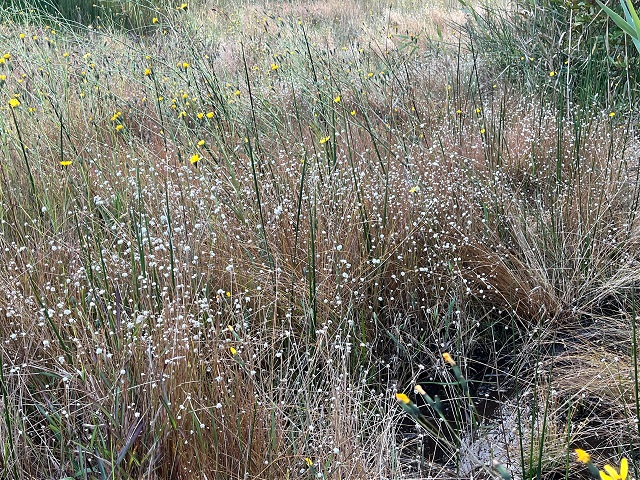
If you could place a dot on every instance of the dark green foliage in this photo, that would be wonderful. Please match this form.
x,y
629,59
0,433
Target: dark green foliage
x,y
570,44
127,14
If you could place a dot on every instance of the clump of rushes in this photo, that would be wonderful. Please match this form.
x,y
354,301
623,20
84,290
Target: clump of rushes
x,y
609,472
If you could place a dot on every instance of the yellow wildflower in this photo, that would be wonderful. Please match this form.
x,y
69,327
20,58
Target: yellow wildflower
x,y
233,351
401,397
147,72
308,461
22,36
119,127
612,114
154,20
612,473
583,456
447,358
116,116
65,163
201,143
414,189
337,99
195,158
324,140
14,102
3,78
275,66
183,6
210,115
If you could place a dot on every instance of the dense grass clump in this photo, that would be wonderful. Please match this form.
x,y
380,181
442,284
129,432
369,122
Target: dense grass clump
x,y
229,243
132,15
592,60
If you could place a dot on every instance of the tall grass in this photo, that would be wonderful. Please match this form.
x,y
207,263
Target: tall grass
x,y
573,42
239,235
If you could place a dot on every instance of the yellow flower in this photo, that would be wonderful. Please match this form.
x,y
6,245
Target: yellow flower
x,y
612,114
210,115
22,36
6,56
154,20
337,99
200,115
324,140
14,102
482,131
552,73
275,66
182,114
65,163
116,116
612,473
3,78
414,189
353,112
233,351
147,72
447,358
401,397
236,93
308,461
583,456
201,143
119,127
183,6
195,158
